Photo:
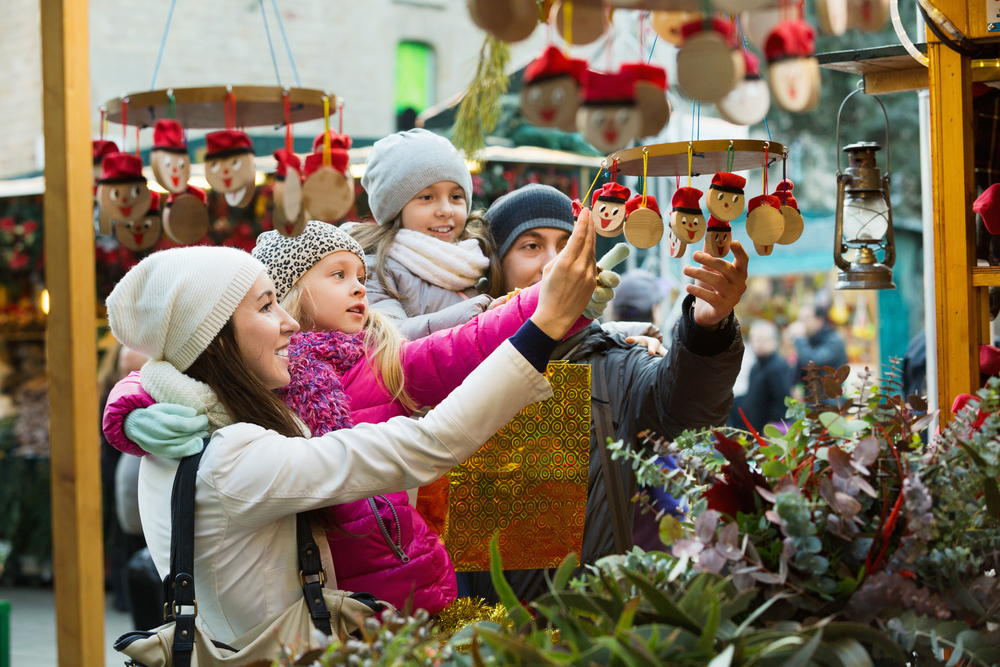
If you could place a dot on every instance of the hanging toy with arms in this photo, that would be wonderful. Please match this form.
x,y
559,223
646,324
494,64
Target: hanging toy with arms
x,y
551,93
169,157
141,234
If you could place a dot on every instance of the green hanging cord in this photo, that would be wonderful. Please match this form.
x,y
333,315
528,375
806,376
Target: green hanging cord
x,y
730,157
171,104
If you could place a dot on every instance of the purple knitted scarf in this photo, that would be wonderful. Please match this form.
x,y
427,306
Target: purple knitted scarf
x,y
317,360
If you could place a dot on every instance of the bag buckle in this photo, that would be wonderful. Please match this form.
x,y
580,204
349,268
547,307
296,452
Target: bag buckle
x,y
177,609
322,577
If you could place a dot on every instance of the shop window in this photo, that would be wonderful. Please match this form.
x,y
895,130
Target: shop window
x,y
414,81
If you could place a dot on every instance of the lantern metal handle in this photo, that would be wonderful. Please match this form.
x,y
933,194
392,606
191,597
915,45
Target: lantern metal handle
x,y
860,89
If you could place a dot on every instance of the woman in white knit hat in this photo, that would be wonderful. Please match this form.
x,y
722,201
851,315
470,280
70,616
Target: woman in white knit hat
x,y
208,320
428,250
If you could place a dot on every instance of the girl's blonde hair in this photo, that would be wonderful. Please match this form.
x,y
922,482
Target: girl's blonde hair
x,y
377,239
383,343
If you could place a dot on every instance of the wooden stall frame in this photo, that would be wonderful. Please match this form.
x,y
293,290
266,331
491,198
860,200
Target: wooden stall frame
x,y
78,559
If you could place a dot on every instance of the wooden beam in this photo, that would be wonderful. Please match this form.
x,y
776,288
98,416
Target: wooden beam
x,y
958,301
78,558
986,276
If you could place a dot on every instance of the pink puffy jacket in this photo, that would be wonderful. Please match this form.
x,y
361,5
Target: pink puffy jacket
x,y
396,552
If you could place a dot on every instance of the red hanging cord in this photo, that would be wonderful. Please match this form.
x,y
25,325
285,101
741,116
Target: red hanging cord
x,y
289,142
229,109
340,117
765,167
124,122
137,141
104,113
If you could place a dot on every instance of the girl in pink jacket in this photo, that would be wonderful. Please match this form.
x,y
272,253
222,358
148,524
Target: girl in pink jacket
x,y
352,366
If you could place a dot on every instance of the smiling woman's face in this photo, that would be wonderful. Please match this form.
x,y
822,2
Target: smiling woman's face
x,y
263,329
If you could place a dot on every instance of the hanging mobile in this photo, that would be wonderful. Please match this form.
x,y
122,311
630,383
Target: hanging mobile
x,y
643,222
765,224
328,191
229,160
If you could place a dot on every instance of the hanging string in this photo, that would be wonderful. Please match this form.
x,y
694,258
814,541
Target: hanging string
x,y
327,159
267,31
171,104
586,197
289,141
645,168
699,121
690,161
652,48
784,175
104,122
568,24
340,117
730,157
229,109
614,171
137,141
163,43
766,144
288,48
642,32
743,39
124,122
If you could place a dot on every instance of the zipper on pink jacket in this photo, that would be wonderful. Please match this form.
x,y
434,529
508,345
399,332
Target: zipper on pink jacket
x,y
396,548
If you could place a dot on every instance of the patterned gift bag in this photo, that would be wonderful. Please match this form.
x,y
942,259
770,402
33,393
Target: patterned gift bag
x,y
529,483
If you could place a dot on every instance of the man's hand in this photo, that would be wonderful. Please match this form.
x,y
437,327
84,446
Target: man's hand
x,y
568,281
718,285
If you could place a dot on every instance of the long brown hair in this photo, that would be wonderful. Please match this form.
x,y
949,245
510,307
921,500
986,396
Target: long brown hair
x,y
377,239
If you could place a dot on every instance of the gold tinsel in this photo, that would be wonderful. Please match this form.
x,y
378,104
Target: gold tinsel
x,y
466,611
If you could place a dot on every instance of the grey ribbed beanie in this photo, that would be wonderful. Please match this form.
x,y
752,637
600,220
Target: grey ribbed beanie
x,y
402,164
529,207
172,304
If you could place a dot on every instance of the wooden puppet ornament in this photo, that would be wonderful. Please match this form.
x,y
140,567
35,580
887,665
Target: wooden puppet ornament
x,y
650,95
686,217
643,222
122,193
608,117
792,69
577,209
718,237
169,157
609,209
706,68
288,217
675,247
587,22
794,224
229,166
757,25
551,93
669,25
328,190
102,147
765,224
987,205
141,234
749,100
185,216
867,15
832,16
507,20
725,200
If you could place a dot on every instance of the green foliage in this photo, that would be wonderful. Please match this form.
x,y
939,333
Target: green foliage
x,y
25,509
480,109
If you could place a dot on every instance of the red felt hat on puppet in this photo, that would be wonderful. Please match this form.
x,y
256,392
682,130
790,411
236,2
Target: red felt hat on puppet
x,y
102,147
553,63
653,74
191,190
227,142
784,193
790,39
763,200
338,160
687,200
727,182
612,89
121,168
337,142
285,160
636,203
724,28
168,135
154,202
716,225
753,65
577,208
988,206
612,192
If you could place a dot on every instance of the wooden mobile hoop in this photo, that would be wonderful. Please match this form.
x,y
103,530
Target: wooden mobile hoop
x,y
708,157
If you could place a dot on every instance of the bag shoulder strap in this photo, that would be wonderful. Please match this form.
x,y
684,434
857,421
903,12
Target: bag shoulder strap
x,y
179,585
614,486
312,576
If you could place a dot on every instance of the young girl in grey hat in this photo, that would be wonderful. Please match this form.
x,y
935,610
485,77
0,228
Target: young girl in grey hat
x,y
427,251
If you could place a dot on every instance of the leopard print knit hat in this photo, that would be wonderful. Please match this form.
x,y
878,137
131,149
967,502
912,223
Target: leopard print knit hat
x,y
287,259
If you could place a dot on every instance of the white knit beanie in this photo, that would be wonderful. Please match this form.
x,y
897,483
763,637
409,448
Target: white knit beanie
x,y
172,304
402,164
288,258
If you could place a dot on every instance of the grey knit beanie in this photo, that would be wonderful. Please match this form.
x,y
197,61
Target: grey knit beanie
x,y
287,259
172,304
402,164
528,207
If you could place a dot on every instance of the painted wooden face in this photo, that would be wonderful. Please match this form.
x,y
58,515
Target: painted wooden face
x,y
725,205
763,250
231,173
607,127
139,234
172,170
689,227
717,243
675,247
552,102
795,83
609,217
124,201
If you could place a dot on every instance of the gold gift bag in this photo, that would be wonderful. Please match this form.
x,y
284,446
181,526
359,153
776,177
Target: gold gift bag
x,y
529,482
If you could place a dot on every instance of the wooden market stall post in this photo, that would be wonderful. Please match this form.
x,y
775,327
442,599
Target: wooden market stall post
x,y
78,559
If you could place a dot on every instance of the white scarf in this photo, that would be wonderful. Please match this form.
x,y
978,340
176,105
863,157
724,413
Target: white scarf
x,y
166,384
453,266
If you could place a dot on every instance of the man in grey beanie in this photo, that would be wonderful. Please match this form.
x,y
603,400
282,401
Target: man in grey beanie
x,y
632,391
